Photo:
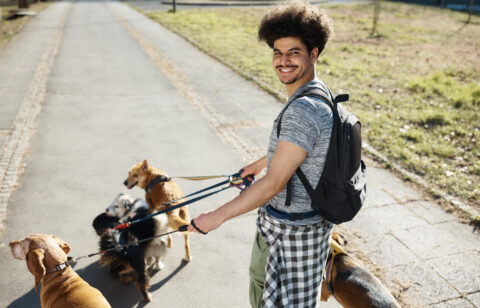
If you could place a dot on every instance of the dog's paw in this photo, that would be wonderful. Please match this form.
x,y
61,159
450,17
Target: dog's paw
x,y
158,266
187,259
148,297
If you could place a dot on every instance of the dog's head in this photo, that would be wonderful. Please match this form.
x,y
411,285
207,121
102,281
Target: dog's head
x,y
120,206
137,175
42,252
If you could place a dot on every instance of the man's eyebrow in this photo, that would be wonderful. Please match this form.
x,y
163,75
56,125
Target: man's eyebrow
x,y
291,49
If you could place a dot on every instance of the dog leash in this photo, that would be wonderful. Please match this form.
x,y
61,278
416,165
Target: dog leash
x,y
72,260
235,180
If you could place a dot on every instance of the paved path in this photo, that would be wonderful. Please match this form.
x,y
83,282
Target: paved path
x,y
100,87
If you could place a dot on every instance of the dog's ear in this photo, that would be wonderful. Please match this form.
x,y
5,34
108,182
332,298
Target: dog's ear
x,y
35,265
62,244
20,248
324,294
337,237
145,165
127,203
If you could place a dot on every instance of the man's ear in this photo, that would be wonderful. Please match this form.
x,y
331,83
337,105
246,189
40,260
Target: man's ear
x,y
35,265
314,55
144,165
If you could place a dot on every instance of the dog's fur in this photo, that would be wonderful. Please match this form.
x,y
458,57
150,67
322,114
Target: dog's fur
x,y
353,285
141,175
62,288
131,263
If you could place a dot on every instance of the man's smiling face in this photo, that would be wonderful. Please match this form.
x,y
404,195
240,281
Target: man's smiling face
x,y
292,61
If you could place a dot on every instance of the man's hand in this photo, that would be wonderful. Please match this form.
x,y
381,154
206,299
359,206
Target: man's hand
x,y
254,168
206,222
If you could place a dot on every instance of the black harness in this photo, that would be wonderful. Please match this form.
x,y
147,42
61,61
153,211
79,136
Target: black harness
x,y
155,181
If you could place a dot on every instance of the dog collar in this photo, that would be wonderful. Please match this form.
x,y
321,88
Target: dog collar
x,y
62,266
155,181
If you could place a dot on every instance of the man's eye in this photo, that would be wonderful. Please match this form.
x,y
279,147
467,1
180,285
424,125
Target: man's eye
x,y
115,206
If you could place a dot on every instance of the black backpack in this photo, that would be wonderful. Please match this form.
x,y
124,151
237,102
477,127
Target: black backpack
x,y
342,187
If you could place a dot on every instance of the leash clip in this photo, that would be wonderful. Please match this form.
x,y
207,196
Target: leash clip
x,y
239,182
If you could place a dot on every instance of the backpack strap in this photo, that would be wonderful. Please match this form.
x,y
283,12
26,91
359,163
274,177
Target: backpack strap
x,y
328,99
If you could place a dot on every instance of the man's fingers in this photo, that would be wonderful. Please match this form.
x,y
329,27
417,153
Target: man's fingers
x,y
190,228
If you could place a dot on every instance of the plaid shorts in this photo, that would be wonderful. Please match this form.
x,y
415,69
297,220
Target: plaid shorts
x,y
295,262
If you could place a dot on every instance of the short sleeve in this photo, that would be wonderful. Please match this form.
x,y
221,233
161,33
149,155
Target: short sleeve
x,y
300,124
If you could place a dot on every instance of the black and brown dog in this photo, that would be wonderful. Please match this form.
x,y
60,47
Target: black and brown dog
x,y
350,283
131,262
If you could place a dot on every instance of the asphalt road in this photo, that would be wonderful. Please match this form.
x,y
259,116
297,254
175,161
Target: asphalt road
x,y
109,100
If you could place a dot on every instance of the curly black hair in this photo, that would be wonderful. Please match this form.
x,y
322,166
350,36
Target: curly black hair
x,y
296,19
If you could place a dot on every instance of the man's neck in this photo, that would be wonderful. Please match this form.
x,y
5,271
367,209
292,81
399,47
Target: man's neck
x,y
291,88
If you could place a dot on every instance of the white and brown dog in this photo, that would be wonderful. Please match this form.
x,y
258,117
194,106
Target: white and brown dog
x,y
61,286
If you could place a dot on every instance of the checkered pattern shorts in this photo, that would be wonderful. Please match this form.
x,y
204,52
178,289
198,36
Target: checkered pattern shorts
x,y
295,262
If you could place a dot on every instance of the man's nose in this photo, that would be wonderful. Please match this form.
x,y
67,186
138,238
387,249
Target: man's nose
x,y
285,59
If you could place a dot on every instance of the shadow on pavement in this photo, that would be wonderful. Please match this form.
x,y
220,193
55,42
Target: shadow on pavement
x,y
117,294
160,284
31,299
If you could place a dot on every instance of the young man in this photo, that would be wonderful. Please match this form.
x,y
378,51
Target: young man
x,y
292,242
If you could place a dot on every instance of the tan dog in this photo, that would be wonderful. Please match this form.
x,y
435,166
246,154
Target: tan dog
x,y
143,176
60,288
350,283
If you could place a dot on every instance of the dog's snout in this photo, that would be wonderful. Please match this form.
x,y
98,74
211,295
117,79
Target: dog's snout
x,y
125,183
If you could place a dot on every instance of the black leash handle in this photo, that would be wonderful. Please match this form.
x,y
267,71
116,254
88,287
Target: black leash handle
x,y
197,228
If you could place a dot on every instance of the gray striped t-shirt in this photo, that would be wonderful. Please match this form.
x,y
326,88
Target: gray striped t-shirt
x,y
307,122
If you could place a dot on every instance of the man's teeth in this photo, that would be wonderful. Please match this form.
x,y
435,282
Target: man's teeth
x,y
286,70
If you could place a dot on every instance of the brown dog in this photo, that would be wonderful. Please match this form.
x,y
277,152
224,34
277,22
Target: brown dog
x,y
60,288
350,283
158,190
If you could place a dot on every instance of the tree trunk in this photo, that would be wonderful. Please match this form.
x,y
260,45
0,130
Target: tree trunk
x,y
23,4
376,13
470,10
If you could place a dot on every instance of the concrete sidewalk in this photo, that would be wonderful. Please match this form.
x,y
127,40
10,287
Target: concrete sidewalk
x,y
422,253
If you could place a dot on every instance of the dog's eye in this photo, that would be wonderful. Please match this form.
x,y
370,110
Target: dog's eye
x,y
135,175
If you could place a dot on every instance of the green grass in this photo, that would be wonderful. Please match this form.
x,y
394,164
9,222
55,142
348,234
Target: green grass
x,y
415,85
